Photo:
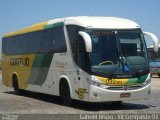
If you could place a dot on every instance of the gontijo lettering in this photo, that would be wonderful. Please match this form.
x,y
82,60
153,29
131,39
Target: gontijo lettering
x,y
19,61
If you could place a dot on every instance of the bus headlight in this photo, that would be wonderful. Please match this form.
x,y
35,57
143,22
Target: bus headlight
x,y
96,83
147,81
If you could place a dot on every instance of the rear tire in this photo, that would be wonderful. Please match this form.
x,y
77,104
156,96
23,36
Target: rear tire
x,y
65,93
15,85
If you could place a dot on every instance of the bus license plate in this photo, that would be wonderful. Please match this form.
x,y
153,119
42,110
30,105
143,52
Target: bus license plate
x,y
122,95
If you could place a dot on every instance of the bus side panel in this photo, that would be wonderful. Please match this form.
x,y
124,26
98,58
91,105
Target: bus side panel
x,y
20,65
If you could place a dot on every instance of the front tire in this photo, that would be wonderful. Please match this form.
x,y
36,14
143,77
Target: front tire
x,y
65,94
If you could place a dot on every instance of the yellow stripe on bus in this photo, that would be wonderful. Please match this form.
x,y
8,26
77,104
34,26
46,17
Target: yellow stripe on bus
x,y
32,28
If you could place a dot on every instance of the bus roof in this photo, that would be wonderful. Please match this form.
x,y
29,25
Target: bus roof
x,y
102,22
84,21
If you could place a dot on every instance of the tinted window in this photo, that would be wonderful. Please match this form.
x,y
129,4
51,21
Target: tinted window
x,y
58,40
44,41
73,36
80,55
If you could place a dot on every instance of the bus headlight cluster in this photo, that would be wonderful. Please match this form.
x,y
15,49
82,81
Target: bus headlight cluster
x,y
147,81
96,83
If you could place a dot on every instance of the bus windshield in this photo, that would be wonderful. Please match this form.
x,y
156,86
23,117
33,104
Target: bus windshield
x,y
117,52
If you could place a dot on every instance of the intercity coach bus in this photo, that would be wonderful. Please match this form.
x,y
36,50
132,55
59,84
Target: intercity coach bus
x,y
154,60
94,59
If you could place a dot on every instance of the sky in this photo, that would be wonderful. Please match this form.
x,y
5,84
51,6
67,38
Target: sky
x,y
17,14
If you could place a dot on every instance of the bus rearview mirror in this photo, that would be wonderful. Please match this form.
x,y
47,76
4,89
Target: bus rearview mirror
x,y
154,39
87,41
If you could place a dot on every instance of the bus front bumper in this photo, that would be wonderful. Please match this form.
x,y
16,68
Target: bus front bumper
x,y
97,94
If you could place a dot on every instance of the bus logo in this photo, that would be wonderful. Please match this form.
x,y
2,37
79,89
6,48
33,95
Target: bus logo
x,y
80,92
125,88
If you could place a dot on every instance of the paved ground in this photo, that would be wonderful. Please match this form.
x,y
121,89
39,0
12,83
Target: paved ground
x,y
35,103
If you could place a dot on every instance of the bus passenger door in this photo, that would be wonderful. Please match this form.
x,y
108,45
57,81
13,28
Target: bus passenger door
x,y
82,61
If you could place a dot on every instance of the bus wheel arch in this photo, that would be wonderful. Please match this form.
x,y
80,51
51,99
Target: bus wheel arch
x,y
65,91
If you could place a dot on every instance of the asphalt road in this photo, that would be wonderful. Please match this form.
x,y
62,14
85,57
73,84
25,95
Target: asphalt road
x,y
36,103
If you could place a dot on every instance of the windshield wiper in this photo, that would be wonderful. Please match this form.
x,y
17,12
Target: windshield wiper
x,y
110,75
133,68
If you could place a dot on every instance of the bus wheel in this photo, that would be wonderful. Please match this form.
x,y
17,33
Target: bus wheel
x,y
65,93
15,85
159,75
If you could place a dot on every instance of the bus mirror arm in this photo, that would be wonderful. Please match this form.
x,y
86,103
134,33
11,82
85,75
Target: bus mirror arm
x,y
154,39
87,41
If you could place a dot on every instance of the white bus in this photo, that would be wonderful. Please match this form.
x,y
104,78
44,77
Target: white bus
x,y
154,61
95,59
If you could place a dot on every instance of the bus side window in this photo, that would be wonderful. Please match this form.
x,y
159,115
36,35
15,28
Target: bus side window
x,y
44,41
58,44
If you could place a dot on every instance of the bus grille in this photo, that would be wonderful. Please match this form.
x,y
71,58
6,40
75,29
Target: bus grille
x,y
122,87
